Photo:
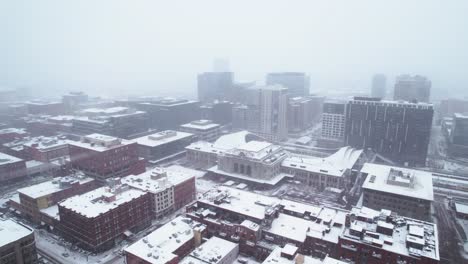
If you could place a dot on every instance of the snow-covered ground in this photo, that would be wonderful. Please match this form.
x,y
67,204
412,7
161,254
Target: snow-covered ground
x,y
60,251
464,224
456,168
5,197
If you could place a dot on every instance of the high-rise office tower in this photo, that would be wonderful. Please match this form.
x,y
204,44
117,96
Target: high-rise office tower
x,y
304,112
399,131
273,105
412,88
458,138
333,121
265,113
215,86
379,89
298,83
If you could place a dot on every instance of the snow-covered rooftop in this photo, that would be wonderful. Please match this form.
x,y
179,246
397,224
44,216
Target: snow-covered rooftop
x,y
407,237
329,228
243,202
273,180
257,206
96,202
105,111
34,163
276,258
259,150
461,208
336,164
99,142
6,159
53,186
51,211
11,231
398,181
159,179
232,140
461,115
162,137
46,143
223,143
13,130
212,251
159,246
200,125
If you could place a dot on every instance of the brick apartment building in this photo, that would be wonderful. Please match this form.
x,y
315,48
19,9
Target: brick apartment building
x,y
11,134
46,149
33,200
102,156
11,168
171,187
94,220
260,223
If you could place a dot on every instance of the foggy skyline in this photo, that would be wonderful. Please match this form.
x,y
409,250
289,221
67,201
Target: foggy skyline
x,y
158,47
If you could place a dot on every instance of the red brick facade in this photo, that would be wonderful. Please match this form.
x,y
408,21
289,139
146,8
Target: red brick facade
x,y
184,193
98,233
117,161
13,171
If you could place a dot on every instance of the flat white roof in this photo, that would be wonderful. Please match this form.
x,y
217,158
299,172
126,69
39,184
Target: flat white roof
x,y
271,181
406,229
112,142
200,125
13,130
256,205
166,177
214,248
92,204
461,208
11,231
46,143
159,246
110,110
247,203
52,186
6,159
297,228
161,138
51,211
276,258
336,164
422,183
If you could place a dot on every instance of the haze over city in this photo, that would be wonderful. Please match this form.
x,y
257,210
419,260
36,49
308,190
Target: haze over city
x,y
233,132
123,48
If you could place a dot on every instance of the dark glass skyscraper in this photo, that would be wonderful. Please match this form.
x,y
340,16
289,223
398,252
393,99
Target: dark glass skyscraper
x,y
399,131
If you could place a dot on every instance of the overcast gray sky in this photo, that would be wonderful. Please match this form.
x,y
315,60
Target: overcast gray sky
x,y
158,47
